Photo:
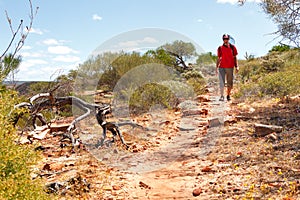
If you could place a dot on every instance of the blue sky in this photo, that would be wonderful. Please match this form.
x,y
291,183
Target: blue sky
x,y
66,32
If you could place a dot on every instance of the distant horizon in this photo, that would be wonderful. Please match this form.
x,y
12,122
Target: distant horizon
x,y
20,82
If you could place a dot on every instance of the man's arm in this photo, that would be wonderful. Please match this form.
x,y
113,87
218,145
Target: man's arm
x,y
236,64
217,65
235,60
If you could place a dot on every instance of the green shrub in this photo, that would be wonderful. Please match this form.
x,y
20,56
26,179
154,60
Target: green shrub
x,y
206,58
280,48
192,74
198,85
15,160
150,95
272,64
276,75
248,70
280,84
292,59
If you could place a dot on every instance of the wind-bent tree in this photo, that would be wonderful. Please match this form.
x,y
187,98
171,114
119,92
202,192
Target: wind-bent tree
x,y
286,15
9,60
161,55
181,51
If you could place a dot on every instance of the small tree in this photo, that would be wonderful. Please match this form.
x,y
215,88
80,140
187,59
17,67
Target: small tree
x,y
161,55
181,51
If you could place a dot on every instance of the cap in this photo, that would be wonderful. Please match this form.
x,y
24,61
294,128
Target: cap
x,y
226,36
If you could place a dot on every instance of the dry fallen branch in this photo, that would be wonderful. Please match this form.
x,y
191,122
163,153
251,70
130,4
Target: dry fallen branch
x,y
46,101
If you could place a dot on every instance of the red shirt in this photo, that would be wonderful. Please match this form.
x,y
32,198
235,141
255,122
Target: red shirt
x,y
226,56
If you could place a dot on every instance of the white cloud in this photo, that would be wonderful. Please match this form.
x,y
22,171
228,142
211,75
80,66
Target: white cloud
x,y
149,40
61,50
32,55
129,44
138,45
26,47
96,17
236,1
36,31
31,62
51,42
67,58
135,43
45,72
199,20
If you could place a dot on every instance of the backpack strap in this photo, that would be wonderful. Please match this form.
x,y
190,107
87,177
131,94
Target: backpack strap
x,y
232,48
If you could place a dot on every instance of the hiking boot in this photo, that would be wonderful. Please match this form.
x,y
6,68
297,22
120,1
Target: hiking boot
x,y
221,98
228,98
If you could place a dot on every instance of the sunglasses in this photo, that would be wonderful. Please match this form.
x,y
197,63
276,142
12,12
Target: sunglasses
x,y
225,38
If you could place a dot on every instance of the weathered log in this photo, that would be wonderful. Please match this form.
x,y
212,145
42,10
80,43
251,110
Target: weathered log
x,y
262,130
99,111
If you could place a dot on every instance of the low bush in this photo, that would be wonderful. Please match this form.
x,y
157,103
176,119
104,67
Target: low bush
x,y
275,75
15,160
198,85
280,84
149,95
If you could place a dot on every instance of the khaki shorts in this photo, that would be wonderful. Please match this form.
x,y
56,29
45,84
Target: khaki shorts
x,y
226,74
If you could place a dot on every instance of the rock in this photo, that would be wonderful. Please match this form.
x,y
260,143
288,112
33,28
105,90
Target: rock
x,y
56,166
206,169
61,125
53,166
187,105
201,111
229,121
214,122
40,148
184,127
187,124
116,187
273,136
197,192
107,156
262,130
144,185
107,188
203,124
47,167
202,98
39,135
54,187
23,140
251,110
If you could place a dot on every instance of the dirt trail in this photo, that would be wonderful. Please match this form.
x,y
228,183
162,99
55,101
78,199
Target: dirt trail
x,y
171,172
201,150
170,167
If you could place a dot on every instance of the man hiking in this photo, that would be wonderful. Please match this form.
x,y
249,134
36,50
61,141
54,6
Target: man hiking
x,y
225,65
